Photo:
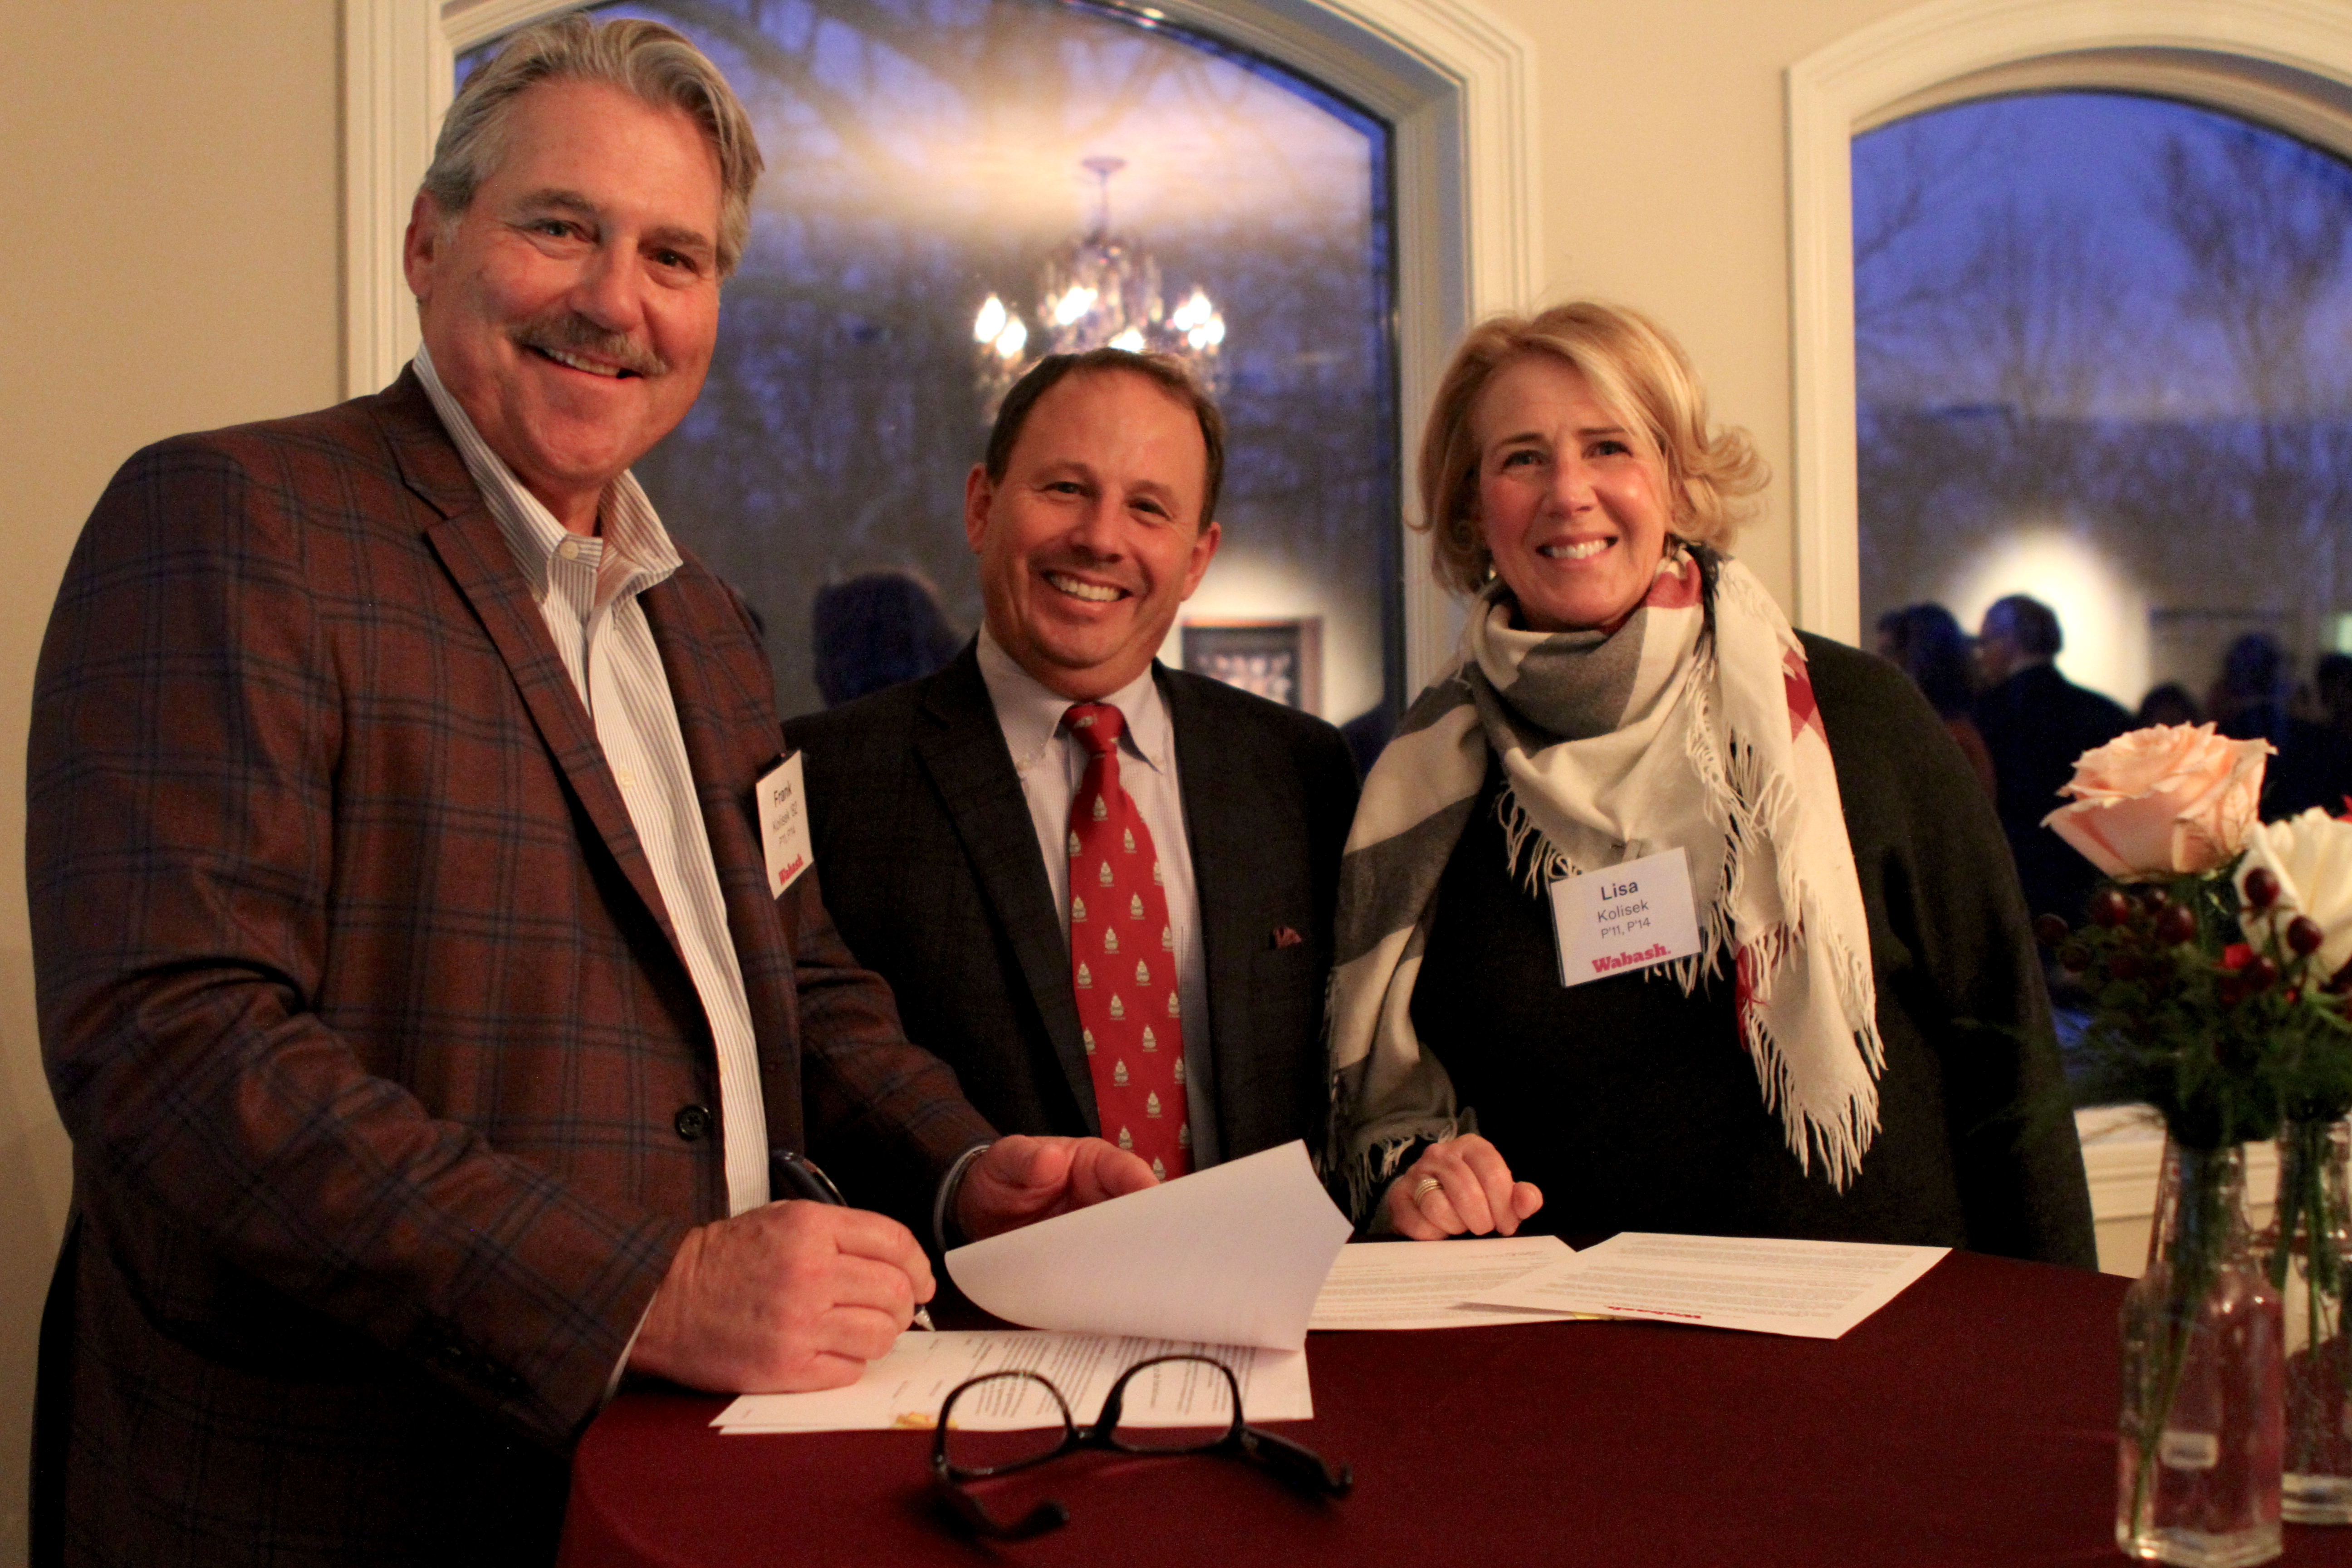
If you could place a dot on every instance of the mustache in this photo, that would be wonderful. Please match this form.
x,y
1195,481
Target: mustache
x,y
566,331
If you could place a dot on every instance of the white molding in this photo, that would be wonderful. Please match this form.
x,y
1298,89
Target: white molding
x,y
396,82
2122,1154
1456,82
2287,63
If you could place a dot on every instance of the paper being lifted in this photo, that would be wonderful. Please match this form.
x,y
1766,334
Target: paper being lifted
x,y
1233,1255
1433,1284
1814,1289
904,1389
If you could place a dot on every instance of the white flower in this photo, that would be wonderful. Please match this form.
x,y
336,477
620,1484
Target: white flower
x,y
2310,855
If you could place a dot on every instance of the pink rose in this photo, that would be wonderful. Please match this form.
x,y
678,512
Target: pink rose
x,y
2165,800
2310,855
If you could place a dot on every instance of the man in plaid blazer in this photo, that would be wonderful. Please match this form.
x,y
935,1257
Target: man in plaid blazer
x,y
411,983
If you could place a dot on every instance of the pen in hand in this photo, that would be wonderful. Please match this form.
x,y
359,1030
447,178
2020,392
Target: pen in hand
x,y
792,1174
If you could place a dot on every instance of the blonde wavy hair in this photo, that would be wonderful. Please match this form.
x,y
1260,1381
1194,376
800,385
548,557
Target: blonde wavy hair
x,y
1638,374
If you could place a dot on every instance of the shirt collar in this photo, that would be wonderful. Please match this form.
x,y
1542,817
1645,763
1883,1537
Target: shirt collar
x,y
1030,712
637,551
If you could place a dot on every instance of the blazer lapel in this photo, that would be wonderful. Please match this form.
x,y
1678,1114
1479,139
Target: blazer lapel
x,y
475,553
962,748
1219,815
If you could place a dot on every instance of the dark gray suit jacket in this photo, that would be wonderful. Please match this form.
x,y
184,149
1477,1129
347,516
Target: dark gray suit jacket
x,y
932,873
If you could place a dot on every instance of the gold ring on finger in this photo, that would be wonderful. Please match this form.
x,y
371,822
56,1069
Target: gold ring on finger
x,y
1425,1186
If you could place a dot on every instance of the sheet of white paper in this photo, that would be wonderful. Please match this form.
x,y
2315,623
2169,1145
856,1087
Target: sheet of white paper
x,y
905,1388
1232,1254
1816,1289
1432,1284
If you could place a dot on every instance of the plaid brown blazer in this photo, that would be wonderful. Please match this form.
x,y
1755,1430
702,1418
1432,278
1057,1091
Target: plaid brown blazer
x,y
359,1003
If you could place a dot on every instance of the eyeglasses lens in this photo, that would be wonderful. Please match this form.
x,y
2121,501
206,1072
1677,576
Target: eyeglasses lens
x,y
993,1424
1159,1394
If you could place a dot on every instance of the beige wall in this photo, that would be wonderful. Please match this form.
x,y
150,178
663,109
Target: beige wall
x,y
173,201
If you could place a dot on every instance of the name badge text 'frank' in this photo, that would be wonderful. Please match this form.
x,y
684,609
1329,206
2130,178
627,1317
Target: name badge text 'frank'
x,y
783,824
1627,917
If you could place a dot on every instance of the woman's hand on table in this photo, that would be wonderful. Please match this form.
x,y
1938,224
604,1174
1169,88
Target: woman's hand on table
x,y
1461,1184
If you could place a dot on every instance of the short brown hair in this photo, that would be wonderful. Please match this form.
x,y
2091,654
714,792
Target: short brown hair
x,y
1638,372
652,63
1159,369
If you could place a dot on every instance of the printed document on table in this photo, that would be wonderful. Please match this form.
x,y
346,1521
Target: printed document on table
x,y
1432,1284
1815,1289
905,1388
1233,1255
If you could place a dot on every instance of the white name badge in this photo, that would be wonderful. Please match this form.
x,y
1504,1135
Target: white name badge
x,y
783,824
1628,917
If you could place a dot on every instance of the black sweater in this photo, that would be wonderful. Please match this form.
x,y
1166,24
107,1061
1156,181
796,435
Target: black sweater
x,y
1635,1107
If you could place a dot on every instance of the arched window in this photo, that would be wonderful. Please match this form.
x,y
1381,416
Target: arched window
x,y
939,166
2100,346
1451,85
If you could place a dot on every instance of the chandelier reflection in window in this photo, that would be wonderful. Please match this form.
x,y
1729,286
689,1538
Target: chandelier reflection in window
x,y
1096,292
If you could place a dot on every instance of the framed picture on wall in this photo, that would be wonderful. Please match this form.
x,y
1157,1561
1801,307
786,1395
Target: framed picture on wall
x,y
1280,660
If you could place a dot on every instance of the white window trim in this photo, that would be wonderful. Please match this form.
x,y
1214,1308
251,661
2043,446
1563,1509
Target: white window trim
x,y
1457,82
2284,63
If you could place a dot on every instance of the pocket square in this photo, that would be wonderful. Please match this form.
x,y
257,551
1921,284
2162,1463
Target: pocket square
x,y
1286,937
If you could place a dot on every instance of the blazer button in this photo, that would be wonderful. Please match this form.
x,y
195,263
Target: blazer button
x,y
693,1123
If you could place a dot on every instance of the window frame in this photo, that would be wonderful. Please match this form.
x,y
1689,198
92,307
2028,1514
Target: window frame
x,y
2285,64
1455,83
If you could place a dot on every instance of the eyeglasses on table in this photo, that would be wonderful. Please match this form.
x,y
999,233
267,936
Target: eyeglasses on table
x,y
959,1456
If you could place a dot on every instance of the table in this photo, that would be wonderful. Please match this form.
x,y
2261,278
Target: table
x,y
1970,1423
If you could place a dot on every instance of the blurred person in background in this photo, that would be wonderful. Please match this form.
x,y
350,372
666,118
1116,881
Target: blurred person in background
x,y
1926,642
2168,704
875,630
2315,767
2249,702
2035,724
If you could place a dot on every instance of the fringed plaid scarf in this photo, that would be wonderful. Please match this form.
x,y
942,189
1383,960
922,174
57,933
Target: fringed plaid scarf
x,y
1691,726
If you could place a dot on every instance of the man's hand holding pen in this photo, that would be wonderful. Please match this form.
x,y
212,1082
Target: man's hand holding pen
x,y
802,1294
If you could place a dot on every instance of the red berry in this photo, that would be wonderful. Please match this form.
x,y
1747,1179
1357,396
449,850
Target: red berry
x,y
2303,935
2109,906
2176,925
2051,930
2074,958
2123,966
2231,990
2155,900
2262,972
2262,889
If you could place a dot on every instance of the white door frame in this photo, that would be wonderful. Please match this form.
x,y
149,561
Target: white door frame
x,y
1456,82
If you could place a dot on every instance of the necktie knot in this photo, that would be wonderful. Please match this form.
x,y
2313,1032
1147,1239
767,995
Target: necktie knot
x,y
1097,725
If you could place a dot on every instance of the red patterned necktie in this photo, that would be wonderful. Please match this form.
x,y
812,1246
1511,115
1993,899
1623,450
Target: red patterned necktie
x,y
1123,957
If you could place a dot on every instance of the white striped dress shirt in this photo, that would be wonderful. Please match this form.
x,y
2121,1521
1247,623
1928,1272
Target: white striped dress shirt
x,y
587,590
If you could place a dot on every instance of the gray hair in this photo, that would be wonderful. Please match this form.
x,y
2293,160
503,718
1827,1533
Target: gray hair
x,y
652,63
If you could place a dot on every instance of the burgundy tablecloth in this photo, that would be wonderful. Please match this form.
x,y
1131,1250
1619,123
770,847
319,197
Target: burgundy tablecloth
x,y
1972,1423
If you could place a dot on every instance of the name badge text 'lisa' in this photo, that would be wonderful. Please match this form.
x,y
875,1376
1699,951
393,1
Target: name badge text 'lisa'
x,y
1627,917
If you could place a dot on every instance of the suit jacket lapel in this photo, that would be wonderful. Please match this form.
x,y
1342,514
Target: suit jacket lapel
x,y
1218,818
475,553
962,748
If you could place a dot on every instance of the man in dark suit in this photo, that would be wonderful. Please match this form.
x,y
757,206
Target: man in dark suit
x,y
944,804
412,982
2035,723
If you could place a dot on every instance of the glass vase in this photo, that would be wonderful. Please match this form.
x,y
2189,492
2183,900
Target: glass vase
x,y
2306,1247
2202,1430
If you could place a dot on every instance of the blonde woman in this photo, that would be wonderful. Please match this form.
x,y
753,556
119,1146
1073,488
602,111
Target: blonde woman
x,y
1831,1024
